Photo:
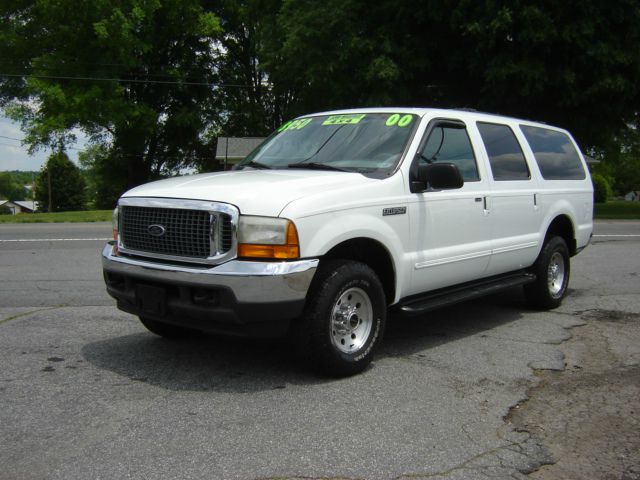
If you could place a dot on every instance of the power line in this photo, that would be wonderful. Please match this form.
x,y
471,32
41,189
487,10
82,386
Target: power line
x,y
126,70
80,149
22,140
12,138
101,79
160,156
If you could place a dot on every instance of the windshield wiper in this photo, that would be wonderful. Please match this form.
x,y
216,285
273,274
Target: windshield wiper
x,y
318,166
257,165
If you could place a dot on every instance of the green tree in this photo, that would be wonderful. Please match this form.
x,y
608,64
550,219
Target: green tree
x,y
23,179
620,161
66,183
574,64
105,184
156,80
135,75
254,106
336,54
569,63
11,188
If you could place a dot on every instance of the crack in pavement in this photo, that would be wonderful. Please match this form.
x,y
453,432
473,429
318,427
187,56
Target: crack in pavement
x,y
30,312
462,466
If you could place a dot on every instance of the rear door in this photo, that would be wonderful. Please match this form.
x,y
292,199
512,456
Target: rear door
x,y
514,199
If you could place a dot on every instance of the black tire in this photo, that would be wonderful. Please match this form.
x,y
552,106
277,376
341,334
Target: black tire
x,y
344,319
165,330
552,269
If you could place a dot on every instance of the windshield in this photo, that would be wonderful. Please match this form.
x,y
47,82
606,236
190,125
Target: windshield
x,y
363,142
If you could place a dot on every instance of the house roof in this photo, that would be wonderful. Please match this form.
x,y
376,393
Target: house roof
x,y
28,204
236,147
23,204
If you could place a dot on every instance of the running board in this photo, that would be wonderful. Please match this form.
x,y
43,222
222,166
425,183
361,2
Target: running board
x,y
461,293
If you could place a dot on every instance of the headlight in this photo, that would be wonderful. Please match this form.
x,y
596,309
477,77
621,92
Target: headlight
x,y
267,237
114,222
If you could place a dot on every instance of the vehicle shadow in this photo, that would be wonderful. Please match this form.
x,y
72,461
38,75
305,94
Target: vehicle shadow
x,y
240,365
407,335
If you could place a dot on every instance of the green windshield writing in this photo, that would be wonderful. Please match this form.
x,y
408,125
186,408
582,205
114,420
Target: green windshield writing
x,y
400,121
343,119
298,124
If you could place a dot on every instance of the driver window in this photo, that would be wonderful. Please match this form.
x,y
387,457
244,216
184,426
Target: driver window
x,y
451,144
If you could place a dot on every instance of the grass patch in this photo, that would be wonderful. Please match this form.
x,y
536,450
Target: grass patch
x,y
59,217
618,209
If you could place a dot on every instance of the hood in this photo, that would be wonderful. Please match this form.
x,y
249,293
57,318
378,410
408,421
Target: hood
x,y
254,192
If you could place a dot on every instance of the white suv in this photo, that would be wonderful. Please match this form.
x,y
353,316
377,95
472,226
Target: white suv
x,y
338,216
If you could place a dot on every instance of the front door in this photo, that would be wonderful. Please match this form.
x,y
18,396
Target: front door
x,y
450,228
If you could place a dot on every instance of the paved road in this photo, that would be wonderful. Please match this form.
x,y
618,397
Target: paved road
x,y
87,393
47,265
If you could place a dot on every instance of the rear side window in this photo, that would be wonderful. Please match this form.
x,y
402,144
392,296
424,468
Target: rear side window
x,y
505,154
555,154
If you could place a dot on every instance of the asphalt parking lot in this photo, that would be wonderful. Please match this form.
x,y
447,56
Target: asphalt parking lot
x,y
485,389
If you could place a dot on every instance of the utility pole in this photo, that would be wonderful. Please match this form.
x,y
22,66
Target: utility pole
x,y
49,184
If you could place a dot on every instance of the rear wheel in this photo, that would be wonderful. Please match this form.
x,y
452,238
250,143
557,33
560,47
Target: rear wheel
x,y
165,330
552,270
344,320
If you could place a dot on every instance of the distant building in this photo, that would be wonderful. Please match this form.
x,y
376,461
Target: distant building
x,y
231,150
632,197
19,206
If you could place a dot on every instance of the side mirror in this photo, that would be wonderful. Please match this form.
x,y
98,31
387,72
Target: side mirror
x,y
439,176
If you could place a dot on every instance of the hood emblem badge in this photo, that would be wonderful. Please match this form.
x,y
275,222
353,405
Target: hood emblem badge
x,y
156,230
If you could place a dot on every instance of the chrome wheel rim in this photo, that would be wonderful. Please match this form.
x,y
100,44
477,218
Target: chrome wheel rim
x,y
351,320
556,274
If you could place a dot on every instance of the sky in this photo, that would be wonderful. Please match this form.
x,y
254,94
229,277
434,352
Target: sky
x,y
14,156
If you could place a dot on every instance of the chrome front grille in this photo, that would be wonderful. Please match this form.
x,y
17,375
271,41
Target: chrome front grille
x,y
173,230
226,232
187,233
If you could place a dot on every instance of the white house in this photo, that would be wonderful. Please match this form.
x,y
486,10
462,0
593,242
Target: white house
x,y
231,150
19,206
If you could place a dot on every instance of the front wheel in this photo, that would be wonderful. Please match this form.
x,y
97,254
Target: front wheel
x,y
344,320
552,270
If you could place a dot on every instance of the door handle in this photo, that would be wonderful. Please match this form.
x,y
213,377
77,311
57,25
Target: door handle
x,y
485,206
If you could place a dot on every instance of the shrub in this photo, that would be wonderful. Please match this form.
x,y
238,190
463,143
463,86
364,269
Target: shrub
x,y
601,188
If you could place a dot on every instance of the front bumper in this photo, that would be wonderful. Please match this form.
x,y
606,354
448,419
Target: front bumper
x,y
236,297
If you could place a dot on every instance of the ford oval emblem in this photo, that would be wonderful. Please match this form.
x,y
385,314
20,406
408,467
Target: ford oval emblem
x,y
156,230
